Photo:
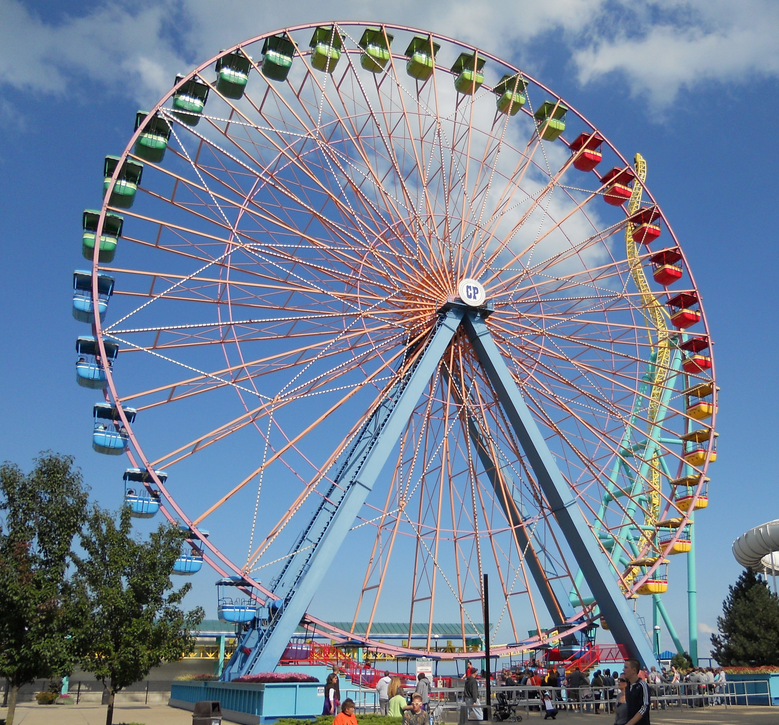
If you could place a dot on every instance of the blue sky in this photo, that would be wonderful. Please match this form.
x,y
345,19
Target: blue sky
x,y
692,86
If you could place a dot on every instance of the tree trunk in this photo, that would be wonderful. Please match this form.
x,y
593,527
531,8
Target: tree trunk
x,y
12,693
109,715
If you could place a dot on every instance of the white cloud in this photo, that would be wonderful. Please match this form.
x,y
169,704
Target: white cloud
x,y
659,48
121,50
690,43
706,628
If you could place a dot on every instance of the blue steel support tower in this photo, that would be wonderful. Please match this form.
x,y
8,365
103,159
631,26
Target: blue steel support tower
x,y
262,644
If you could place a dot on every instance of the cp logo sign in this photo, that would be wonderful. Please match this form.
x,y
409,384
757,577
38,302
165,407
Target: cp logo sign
x,y
471,292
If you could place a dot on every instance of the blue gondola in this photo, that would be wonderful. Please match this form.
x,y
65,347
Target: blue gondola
x,y
140,493
83,306
109,435
235,604
190,560
89,371
188,564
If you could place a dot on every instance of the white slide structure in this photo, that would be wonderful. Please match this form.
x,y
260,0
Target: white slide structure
x,y
758,548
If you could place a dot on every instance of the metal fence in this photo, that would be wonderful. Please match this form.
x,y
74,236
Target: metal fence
x,y
523,700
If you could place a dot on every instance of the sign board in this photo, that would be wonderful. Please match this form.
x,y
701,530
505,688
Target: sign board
x,y
425,665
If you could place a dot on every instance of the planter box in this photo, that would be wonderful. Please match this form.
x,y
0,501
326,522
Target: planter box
x,y
250,703
751,689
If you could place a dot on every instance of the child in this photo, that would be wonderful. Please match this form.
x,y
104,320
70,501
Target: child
x,y
549,707
346,716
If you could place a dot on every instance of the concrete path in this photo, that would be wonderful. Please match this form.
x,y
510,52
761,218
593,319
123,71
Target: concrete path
x,y
34,714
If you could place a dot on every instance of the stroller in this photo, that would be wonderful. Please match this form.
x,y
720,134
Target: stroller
x,y
504,710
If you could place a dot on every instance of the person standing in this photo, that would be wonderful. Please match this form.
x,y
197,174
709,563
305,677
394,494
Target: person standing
x,y
332,695
621,705
637,694
397,702
597,690
575,681
608,691
423,689
382,688
471,694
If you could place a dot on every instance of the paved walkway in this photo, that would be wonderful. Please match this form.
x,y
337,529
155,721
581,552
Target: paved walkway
x,y
34,714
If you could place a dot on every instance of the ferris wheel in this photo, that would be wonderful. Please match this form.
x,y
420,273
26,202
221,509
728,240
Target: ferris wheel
x,y
382,313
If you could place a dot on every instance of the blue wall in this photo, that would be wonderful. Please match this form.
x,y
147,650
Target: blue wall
x,y
267,701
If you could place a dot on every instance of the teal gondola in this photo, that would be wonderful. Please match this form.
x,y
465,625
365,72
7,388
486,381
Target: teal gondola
x,y
127,181
153,140
109,237
232,74
189,100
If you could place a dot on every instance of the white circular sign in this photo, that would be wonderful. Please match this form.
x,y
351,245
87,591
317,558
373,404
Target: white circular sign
x,y
471,292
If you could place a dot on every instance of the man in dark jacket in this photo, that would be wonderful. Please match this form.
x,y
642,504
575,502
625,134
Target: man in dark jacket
x,y
471,695
636,695
575,680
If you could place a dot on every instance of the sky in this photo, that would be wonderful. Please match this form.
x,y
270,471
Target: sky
x,y
692,86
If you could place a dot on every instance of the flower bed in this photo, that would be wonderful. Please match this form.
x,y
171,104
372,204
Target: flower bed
x,y
763,670
272,677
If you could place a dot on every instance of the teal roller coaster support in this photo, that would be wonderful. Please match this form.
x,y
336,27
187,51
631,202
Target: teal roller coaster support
x,y
569,517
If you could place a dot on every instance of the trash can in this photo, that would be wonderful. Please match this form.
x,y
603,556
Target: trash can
x,y
207,713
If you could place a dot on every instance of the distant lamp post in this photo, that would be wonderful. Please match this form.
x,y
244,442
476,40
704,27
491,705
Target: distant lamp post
x,y
657,639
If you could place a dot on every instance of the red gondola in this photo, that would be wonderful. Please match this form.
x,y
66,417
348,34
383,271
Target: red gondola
x,y
646,224
586,151
616,182
683,312
696,361
666,270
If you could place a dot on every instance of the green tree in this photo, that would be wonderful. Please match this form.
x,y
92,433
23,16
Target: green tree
x,y
40,513
682,661
749,625
129,612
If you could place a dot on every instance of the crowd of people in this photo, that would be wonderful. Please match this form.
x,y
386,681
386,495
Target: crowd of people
x,y
629,696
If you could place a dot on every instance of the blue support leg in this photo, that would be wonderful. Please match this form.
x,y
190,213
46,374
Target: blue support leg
x,y
584,547
262,644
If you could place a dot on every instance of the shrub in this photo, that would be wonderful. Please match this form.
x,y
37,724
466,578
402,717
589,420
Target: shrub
x,y
46,697
196,678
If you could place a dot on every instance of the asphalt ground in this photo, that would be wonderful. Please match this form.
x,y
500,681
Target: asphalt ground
x,y
90,714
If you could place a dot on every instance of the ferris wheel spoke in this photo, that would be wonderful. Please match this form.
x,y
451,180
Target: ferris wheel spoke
x,y
254,370
536,200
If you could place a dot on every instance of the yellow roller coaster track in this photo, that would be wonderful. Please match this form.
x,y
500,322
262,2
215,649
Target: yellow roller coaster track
x,y
656,317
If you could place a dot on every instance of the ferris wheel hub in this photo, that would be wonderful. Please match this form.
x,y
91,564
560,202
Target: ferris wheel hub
x,y
471,292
